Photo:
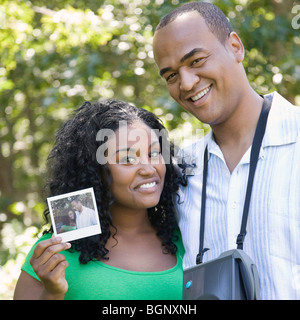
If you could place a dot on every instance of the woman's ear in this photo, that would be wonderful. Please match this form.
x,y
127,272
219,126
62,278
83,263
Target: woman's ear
x,y
235,45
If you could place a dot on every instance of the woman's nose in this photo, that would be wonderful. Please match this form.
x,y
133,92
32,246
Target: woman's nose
x,y
147,168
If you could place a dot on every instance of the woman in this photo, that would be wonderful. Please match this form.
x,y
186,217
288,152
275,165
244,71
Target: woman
x,y
139,253
68,222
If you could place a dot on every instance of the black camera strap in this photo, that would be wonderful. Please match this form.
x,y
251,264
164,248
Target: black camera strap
x,y
257,140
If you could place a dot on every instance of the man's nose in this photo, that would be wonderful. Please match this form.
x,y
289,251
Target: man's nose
x,y
188,79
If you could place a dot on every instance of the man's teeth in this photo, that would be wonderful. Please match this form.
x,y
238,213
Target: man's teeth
x,y
148,185
200,95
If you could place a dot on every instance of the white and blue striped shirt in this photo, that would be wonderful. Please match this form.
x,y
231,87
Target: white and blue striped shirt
x,y
273,228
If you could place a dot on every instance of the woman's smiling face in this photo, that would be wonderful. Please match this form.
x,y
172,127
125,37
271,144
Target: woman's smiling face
x,y
137,167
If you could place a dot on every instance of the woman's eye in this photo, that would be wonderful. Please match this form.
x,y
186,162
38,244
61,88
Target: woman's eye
x,y
127,160
154,154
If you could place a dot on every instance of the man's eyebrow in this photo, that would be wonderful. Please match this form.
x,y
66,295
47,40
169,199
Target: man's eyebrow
x,y
190,54
164,70
184,58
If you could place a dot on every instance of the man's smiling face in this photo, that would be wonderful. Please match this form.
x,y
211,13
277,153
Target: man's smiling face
x,y
199,70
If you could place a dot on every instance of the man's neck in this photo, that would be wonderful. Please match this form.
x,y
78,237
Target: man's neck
x,y
235,136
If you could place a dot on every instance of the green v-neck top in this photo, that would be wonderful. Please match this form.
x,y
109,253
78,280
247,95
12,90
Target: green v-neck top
x,y
99,281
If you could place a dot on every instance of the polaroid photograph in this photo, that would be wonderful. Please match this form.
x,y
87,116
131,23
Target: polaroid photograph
x,y
74,215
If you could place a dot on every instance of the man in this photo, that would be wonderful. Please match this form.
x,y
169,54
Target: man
x,y
85,217
200,57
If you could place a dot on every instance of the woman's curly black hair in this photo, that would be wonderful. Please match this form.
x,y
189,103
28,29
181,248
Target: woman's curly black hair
x,y
73,165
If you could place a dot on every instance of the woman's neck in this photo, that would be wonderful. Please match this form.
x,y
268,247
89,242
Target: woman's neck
x,y
130,220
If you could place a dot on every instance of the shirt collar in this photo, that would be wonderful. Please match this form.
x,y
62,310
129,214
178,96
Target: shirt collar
x,y
282,127
213,148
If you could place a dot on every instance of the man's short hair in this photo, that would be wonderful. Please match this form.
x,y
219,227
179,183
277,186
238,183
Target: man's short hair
x,y
76,199
214,18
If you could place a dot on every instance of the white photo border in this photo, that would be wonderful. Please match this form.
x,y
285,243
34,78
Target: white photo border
x,y
81,232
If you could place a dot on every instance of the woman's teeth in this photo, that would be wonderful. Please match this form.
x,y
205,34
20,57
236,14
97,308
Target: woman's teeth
x,y
148,185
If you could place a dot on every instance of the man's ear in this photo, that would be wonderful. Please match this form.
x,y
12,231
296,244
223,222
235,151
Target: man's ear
x,y
235,45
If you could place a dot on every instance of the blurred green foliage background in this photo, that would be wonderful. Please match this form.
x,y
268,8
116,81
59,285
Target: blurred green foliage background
x,y
56,54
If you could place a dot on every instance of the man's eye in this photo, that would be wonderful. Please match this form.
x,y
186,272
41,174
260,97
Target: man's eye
x,y
197,61
171,77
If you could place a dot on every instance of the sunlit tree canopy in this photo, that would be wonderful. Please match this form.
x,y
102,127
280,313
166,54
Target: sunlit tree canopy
x,y
54,55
